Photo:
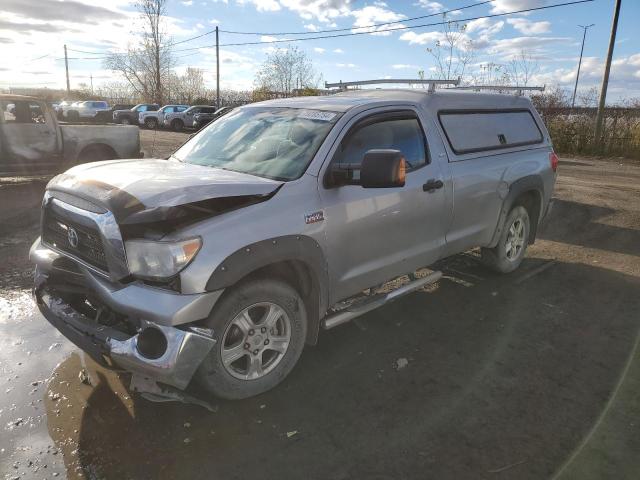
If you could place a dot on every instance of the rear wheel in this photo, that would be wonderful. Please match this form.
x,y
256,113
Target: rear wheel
x,y
260,328
125,121
508,254
177,125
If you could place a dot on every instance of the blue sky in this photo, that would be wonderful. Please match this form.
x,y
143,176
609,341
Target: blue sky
x,y
33,28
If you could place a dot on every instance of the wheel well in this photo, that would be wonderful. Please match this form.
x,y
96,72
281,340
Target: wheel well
x,y
299,276
532,201
109,153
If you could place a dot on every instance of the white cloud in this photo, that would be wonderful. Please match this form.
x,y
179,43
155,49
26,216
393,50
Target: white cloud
x,y
345,65
338,50
199,26
263,5
311,27
528,27
404,66
432,7
510,47
187,3
319,50
214,21
503,6
374,15
421,38
324,11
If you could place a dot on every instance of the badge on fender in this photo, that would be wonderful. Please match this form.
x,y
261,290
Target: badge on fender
x,y
314,217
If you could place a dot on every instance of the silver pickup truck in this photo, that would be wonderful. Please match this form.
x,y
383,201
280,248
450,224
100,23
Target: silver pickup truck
x,y
283,217
32,141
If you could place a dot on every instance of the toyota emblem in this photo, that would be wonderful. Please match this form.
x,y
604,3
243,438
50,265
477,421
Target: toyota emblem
x,y
72,236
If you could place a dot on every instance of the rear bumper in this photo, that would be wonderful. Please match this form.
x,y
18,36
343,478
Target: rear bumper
x,y
156,349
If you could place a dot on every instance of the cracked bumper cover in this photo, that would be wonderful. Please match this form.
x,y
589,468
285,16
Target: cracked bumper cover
x,y
185,347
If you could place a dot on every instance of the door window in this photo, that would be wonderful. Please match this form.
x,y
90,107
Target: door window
x,y
20,111
389,131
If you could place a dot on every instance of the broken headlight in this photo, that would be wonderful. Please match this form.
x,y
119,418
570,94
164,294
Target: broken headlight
x,y
160,260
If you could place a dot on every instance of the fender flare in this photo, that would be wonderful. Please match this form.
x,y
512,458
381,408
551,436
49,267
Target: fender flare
x,y
520,186
271,251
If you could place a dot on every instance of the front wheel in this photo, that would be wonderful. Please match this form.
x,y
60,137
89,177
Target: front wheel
x,y
151,123
260,329
125,121
508,254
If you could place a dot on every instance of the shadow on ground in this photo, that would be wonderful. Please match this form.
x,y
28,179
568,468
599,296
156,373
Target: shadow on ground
x,y
585,225
504,380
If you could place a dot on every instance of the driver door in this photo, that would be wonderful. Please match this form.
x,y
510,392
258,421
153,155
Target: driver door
x,y
376,234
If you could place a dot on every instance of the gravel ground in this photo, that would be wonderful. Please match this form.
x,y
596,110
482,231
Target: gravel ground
x,y
527,375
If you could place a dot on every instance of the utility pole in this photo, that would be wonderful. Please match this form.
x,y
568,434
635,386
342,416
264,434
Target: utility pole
x,y
91,77
66,66
607,69
584,36
217,70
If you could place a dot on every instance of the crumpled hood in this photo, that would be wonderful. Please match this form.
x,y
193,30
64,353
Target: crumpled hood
x,y
127,187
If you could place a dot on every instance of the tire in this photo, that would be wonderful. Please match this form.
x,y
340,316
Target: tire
x,y
235,340
508,254
73,116
151,123
177,125
125,121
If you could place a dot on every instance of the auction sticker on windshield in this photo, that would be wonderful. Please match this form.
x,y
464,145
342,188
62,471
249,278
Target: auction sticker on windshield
x,y
317,115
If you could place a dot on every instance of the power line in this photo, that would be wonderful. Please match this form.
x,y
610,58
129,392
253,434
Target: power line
x,y
444,12
393,29
350,34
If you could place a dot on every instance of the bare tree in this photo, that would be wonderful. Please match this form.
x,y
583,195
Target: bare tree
x,y
491,73
286,70
147,67
521,68
453,52
189,86
589,98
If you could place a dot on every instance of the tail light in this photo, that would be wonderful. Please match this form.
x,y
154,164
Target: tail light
x,y
553,160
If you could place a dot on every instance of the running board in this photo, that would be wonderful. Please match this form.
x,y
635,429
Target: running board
x,y
350,313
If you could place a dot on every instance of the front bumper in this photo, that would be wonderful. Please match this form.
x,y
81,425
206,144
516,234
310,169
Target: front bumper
x,y
154,347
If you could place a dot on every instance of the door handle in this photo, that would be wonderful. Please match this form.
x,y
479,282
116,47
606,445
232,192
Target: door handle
x,y
432,185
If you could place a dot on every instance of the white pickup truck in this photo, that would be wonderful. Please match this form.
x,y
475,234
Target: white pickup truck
x,y
33,142
88,110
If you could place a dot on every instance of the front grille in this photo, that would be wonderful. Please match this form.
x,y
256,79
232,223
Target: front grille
x,y
58,232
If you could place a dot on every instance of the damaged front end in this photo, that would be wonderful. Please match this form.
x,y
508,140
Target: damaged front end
x,y
88,288
120,338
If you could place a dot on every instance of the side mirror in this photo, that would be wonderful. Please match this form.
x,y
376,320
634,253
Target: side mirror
x,y
383,169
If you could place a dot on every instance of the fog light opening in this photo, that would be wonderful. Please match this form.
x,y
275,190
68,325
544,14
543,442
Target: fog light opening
x,y
151,343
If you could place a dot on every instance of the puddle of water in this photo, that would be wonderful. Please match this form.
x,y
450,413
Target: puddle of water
x,y
26,449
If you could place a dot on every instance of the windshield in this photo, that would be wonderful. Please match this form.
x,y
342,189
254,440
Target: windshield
x,y
268,142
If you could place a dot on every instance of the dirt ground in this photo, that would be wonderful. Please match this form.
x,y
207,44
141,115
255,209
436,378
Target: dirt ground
x,y
535,374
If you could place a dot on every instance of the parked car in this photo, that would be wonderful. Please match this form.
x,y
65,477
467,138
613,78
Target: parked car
x,y
155,119
177,121
86,111
202,119
130,116
32,141
284,216
106,116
